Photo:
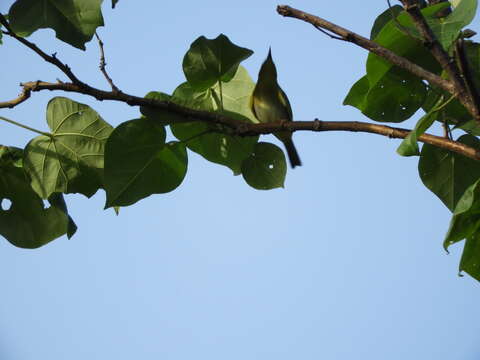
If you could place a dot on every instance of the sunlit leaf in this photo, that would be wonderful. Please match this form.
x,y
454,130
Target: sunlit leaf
x,y
210,140
71,159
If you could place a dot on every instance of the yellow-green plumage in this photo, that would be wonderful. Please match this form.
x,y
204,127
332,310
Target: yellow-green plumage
x,y
270,104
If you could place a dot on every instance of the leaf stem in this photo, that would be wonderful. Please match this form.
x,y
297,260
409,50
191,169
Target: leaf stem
x,y
26,127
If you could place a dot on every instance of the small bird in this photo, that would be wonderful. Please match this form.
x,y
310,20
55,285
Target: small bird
x,y
269,103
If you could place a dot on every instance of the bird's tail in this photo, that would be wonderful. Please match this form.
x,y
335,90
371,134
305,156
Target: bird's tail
x,y
292,152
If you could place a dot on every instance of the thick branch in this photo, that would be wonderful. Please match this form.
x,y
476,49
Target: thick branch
x,y
244,129
446,62
369,45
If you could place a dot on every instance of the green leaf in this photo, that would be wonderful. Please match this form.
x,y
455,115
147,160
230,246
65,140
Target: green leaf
x,y
162,116
114,2
11,155
209,61
58,202
74,21
448,174
394,98
466,217
384,18
265,168
27,224
138,163
393,37
390,94
448,30
470,262
71,159
210,140
409,146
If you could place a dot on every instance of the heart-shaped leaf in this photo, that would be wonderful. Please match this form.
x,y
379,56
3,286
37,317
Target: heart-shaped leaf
x,y
266,167
70,160
138,163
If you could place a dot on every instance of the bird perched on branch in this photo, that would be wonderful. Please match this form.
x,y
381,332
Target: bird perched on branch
x,y
269,103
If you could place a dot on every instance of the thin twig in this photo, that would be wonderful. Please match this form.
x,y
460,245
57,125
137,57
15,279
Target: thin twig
x,y
103,64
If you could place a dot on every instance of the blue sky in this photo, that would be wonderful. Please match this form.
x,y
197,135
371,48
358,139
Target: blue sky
x,y
346,262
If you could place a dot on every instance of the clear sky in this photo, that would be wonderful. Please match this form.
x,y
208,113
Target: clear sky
x,y
344,263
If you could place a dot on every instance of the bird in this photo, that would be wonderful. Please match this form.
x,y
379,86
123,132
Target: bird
x,y
269,103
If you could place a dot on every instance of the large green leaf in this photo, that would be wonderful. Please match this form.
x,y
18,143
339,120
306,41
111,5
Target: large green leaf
x,y
209,140
74,21
466,217
71,159
394,98
470,262
209,61
27,223
394,37
448,174
266,167
387,93
138,163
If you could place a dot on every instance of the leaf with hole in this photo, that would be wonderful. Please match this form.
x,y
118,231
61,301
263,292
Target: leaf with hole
x,y
266,167
71,159
27,223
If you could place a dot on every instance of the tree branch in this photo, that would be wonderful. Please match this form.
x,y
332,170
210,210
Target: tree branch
x,y
369,45
446,62
247,129
103,64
